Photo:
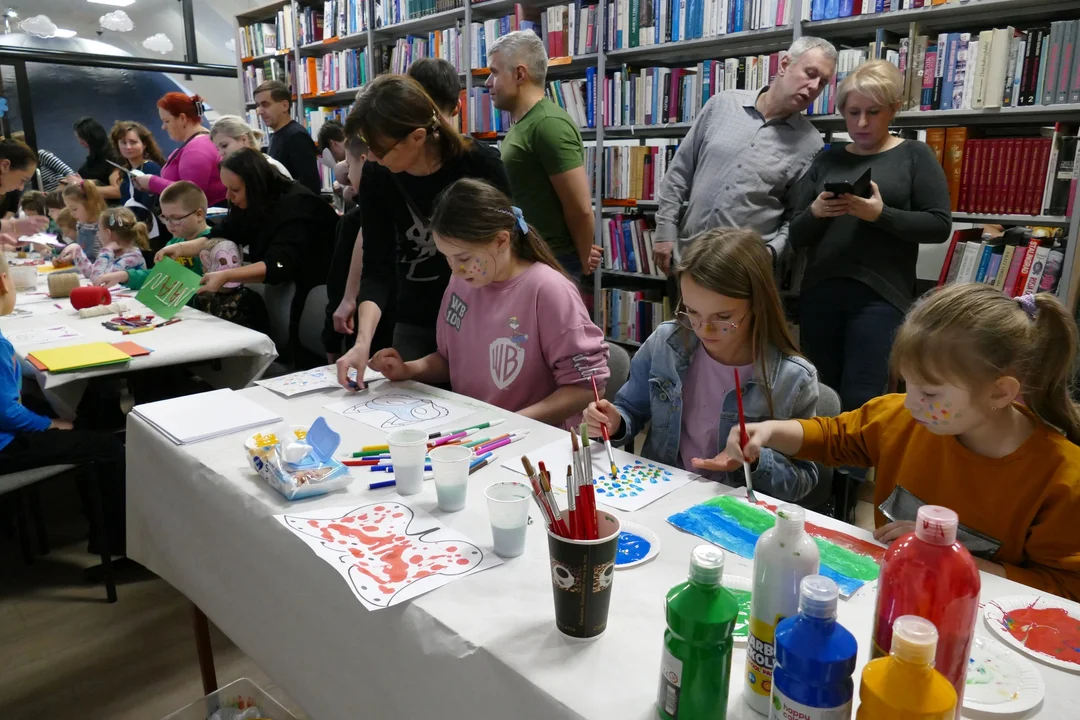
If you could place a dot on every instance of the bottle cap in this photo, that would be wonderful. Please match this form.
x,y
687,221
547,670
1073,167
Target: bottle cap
x,y
790,519
914,639
707,565
818,596
936,525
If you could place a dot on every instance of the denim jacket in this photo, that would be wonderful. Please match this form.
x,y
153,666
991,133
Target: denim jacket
x,y
654,393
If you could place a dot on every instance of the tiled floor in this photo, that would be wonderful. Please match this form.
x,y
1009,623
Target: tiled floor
x,y
67,654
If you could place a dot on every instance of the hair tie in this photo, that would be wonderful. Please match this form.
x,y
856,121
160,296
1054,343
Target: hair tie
x,y
522,225
112,219
1027,304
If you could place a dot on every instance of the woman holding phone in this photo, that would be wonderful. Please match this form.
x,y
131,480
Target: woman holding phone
x,y
863,246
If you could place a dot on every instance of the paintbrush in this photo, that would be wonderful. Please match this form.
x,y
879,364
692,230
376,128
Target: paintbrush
x,y
588,493
571,503
538,492
575,452
604,433
743,439
558,525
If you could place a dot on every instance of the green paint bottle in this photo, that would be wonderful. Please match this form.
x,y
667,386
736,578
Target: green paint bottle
x,y
696,663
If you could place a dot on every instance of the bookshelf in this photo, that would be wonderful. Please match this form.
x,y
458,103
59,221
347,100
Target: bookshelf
x,y
377,36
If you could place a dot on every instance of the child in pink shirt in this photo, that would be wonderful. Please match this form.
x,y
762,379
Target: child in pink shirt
x,y
513,330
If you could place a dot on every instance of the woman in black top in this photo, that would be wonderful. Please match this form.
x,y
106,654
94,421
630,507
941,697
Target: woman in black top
x,y
414,153
93,137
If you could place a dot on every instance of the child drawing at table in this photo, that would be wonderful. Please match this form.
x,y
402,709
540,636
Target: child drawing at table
x,y
86,204
66,226
29,440
987,428
123,238
682,380
512,329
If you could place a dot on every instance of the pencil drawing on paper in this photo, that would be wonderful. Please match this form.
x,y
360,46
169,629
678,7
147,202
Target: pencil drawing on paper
x,y
404,410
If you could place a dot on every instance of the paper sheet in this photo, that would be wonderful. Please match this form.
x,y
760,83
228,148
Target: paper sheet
x,y
311,380
73,357
168,288
39,308
192,418
43,238
640,481
390,408
40,336
388,552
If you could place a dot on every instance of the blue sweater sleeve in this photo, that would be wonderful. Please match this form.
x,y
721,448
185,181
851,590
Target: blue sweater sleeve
x,y
14,417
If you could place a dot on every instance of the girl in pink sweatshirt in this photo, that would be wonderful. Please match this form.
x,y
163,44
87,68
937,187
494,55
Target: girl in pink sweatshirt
x,y
512,329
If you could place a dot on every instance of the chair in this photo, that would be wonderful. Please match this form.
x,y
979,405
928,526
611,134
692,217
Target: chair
x,y
25,482
820,498
278,299
312,320
618,369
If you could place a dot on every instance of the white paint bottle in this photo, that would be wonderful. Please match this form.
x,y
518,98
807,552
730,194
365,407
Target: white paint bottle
x,y
783,556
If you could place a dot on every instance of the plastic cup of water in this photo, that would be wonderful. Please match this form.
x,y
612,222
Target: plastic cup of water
x,y
408,448
451,466
508,509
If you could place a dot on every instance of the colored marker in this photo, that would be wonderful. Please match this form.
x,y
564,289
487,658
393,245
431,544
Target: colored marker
x,y
390,468
447,438
512,438
479,459
377,448
480,465
392,483
481,426
371,453
475,443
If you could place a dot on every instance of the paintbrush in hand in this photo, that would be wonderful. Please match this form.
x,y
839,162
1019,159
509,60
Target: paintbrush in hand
x,y
605,434
743,438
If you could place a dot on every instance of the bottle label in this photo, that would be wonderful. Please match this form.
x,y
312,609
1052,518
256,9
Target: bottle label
x,y
670,683
760,656
784,708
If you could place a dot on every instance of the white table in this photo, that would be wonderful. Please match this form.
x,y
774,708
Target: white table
x,y
481,647
244,354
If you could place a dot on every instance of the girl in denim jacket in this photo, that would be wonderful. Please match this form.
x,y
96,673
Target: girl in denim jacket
x,y
682,380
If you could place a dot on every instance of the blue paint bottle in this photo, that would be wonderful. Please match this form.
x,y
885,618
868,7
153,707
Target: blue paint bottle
x,y
815,658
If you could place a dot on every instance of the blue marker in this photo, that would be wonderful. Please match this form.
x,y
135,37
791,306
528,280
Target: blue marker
x,y
391,483
479,459
390,468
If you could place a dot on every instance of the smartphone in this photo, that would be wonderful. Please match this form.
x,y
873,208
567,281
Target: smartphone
x,y
860,187
839,188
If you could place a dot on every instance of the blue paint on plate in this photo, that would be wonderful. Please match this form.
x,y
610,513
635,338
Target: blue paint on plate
x,y
632,548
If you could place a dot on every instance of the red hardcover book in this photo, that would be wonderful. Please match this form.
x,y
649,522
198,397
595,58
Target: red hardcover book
x,y
994,175
948,257
965,177
978,200
1007,178
1025,269
1038,176
1018,201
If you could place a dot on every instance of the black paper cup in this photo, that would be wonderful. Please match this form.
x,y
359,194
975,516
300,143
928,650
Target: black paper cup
x,y
582,572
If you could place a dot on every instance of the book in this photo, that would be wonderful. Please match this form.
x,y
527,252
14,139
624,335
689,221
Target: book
x,y
984,262
1068,47
1010,69
959,71
954,255
940,60
1053,64
1025,267
929,68
979,88
952,42
1004,265
971,65
995,264
935,138
1014,269
970,264
954,140
999,61
1038,265
1045,61
1064,172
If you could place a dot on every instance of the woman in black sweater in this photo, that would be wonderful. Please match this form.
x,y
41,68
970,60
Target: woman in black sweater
x,y
414,153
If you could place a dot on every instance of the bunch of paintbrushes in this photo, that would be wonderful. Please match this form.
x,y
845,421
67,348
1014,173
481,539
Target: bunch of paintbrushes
x,y
545,499
580,523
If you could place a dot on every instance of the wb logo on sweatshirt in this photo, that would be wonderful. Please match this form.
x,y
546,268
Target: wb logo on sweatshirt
x,y
455,311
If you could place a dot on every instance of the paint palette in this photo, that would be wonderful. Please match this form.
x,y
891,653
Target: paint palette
x,y
740,587
637,546
1045,627
999,681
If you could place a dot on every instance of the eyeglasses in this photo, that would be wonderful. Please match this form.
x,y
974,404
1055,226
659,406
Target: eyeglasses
x,y
691,323
173,220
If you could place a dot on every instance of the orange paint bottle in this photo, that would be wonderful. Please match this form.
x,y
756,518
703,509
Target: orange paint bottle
x,y
905,685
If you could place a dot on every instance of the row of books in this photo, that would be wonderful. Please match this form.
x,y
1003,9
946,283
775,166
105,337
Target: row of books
x,y
253,120
391,12
281,68
634,172
334,72
337,18
632,316
849,58
482,115
575,97
263,38
628,245
443,44
1014,266
833,9
659,95
636,23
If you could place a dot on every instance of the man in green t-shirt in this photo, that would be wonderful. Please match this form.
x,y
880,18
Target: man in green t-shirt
x,y
543,152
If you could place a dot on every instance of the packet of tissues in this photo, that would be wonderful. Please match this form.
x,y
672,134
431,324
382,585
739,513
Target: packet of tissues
x,y
299,464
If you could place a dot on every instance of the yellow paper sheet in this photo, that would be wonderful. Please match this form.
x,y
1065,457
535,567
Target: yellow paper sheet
x,y
73,357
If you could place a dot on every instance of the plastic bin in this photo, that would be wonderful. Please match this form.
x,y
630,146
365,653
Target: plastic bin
x,y
240,693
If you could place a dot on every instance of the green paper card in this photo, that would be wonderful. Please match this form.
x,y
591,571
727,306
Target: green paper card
x,y
168,288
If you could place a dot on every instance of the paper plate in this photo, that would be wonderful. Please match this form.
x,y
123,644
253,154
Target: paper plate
x,y
741,587
1048,627
999,681
637,545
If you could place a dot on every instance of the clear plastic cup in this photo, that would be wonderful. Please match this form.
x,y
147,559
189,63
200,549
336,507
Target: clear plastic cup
x,y
451,466
508,510
408,448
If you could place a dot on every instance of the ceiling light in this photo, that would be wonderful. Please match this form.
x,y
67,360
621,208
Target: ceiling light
x,y
114,3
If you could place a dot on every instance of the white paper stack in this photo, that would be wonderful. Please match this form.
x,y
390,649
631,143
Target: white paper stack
x,y
194,418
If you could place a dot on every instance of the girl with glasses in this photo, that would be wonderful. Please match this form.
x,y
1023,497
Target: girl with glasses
x,y
682,380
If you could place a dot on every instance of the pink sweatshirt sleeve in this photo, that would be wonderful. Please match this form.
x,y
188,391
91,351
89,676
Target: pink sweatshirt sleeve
x,y
193,164
572,345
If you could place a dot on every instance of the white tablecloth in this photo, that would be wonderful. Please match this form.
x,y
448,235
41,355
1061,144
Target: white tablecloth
x,y
244,354
481,647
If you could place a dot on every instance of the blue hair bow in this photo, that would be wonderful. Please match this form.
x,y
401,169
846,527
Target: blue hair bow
x,y
522,225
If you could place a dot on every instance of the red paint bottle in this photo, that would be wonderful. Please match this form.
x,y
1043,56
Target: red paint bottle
x,y
929,574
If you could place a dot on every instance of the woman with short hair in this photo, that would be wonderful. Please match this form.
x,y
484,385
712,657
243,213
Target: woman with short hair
x,y
230,133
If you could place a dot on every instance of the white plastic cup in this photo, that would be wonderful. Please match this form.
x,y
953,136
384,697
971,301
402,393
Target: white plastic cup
x,y
451,466
408,448
508,510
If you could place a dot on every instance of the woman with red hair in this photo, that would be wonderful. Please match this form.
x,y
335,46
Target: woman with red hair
x,y
196,160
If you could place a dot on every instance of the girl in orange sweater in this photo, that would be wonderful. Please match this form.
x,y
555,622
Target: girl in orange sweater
x,y
987,428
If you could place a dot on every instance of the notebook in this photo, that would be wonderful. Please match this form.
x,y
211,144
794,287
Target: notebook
x,y
76,357
194,418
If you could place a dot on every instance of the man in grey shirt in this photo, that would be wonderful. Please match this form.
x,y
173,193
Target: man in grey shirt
x,y
743,154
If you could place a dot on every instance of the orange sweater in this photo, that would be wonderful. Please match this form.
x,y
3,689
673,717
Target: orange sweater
x,y
1028,500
